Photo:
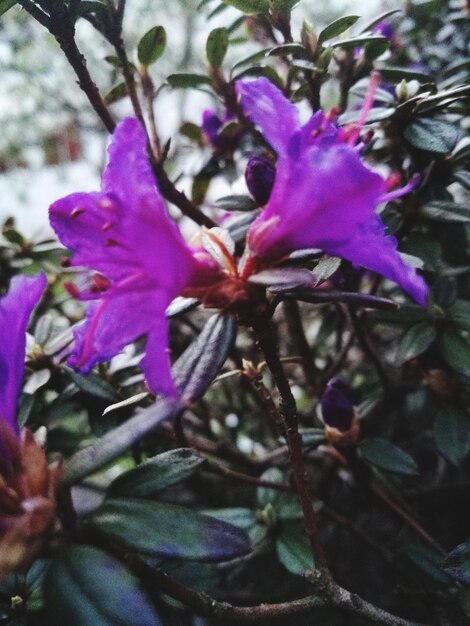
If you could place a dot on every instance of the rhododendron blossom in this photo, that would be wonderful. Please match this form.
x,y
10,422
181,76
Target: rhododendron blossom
x,y
324,196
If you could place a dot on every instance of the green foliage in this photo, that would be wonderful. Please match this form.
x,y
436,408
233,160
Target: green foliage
x,y
387,456
216,46
152,45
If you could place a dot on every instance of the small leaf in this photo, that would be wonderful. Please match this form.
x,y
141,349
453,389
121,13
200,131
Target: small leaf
x,y
457,563
452,434
216,46
249,6
185,81
262,70
152,45
93,385
191,131
5,5
460,314
181,305
284,49
284,277
159,472
414,342
446,211
86,586
197,367
336,28
380,18
455,350
397,74
283,6
358,42
118,92
433,135
236,203
161,529
293,548
387,456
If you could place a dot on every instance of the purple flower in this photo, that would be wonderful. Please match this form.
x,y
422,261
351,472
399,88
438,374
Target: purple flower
x,y
140,260
386,29
225,143
323,196
15,310
259,175
337,405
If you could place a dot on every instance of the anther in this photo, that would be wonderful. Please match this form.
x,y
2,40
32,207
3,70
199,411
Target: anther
x,y
106,226
71,289
110,243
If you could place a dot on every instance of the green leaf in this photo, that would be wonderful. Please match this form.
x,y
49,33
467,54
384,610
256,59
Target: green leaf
x,y
433,135
216,46
387,456
357,42
293,548
336,28
118,440
397,74
457,563
249,6
236,203
380,18
284,49
118,92
187,81
414,342
252,58
191,131
5,5
86,586
152,45
428,560
460,314
452,434
446,211
197,367
455,350
169,530
93,385
159,472
283,6
285,503
262,70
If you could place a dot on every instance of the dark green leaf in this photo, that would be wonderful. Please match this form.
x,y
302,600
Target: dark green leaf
x,y
380,18
118,92
414,342
252,58
428,561
355,42
5,5
287,48
236,203
336,28
283,6
285,503
161,529
455,350
191,130
249,6
457,563
159,472
186,81
293,548
86,586
445,211
460,314
399,73
93,385
151,46
433,135
387,456
374,49
262,70
216,46
197,367
117,441
452,434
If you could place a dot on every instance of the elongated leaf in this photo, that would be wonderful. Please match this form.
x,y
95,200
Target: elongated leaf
x,y
117,441
457,563
414,342
93,385
433,135
355,42
159,472
216,46
185,81
460,314
161,529
249,6
287,48
380,18
396,73
86,586
197,367
387,456
336,28
287,277
293,548
446,211
455,350
181,305
152,45
452,434
236,203
118,92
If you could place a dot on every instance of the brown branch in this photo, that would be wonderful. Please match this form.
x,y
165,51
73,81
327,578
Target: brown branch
x,y
265,339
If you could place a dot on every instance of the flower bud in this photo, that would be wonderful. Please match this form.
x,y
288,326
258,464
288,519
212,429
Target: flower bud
x,y
338,412
259,175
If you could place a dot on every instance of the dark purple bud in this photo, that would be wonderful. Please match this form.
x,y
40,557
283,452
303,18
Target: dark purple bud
x,y
259,175
337,405
211,124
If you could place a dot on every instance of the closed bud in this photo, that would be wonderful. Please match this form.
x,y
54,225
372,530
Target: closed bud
x,y
259,175
339,414
309,38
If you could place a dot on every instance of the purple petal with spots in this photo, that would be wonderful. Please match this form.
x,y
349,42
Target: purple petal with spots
x,y
15,310
125,233
323,196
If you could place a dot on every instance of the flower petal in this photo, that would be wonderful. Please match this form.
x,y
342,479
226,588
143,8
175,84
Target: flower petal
x,y
15,310
269,109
